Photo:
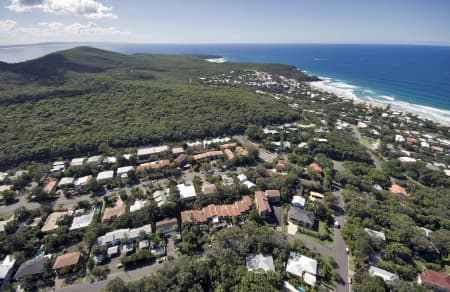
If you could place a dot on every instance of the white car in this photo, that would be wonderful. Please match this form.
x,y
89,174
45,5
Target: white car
x,y
347,251
337,225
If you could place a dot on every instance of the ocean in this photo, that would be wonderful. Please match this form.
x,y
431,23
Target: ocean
x,y
411,78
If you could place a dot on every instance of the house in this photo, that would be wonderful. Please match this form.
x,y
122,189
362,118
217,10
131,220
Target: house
x,y
181,159
154,165
6,267
262,204
83,181
32,267
187,192
242,151
116,236
281,165
143,244
145,153
82,221
113,251
303,267
242,177
298,201
301,217
217,212
177,150
3,176
229,154
228,146
110,160
437,149
160,196
77,161
208,155
406,159
138,205
398,189
436,281
208,188
376,235
52,220
259,261
97,159
105,176
66,182
385,275
67,260
316,168
3,223
167,225
127,248
123,170
274,196
118,210
50,186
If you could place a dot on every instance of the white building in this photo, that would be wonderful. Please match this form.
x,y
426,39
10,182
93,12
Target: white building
x,y
94,159
144,153
187,192
106,175
138,205
123,170
376,234
160,196
298,201
399,138
66,181
116,236
82,221
302,266
406,159
385,275
259,262
77,161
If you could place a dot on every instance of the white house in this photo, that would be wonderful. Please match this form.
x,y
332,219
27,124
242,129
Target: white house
x,y
259,262
82,221
138,205
160,196
187,192
123,170
65,182
77,161
302,266
298,201
385,275
106,175
399,138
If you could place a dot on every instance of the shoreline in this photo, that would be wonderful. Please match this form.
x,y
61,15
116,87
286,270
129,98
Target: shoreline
x,y
346,92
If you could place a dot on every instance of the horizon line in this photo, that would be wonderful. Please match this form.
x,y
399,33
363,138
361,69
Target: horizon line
x,y
231,43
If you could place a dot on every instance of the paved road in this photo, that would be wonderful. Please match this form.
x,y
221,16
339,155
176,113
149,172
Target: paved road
x,y
125,275
336,250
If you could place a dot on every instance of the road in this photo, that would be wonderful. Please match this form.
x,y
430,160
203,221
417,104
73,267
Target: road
x,y
336,250
124,275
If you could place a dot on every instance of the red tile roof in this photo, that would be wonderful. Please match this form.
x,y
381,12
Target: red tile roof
x,y
229,154
222,211
262,202
209,154
316,167
432,278
166,223
153,165
68,259
241,151
229,145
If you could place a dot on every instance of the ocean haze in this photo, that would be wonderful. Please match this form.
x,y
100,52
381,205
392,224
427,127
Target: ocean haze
x,y
401,75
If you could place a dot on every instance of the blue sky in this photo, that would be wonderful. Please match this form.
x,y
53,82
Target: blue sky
x,y
228,21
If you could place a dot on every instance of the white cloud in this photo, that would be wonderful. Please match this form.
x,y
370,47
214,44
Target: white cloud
x,y
13,33
7,25
87,8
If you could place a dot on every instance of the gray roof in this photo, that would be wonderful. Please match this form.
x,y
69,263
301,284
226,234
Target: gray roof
x,y
387,276
260,261
301,215
32,267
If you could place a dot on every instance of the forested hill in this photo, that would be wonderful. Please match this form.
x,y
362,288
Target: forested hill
x,y
73,101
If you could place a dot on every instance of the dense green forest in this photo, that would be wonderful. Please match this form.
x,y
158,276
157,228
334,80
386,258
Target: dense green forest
x,y
73,101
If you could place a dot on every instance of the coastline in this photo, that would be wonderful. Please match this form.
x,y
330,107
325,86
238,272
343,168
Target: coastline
x,y
347,92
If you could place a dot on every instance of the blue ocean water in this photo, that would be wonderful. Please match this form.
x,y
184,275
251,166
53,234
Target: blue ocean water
x,y
413,78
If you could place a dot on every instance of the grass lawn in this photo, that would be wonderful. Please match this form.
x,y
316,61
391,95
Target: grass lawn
x,y
322,226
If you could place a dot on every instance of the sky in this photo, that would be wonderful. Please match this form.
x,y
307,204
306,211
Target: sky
x,y
226,21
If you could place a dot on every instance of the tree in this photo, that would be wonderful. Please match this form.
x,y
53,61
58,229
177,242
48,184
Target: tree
x,y
441,240
9,196
116,285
